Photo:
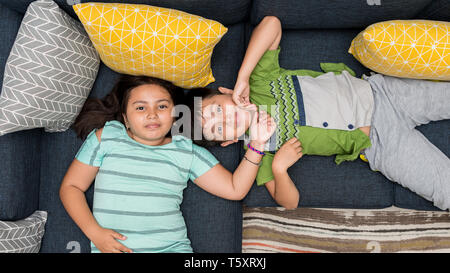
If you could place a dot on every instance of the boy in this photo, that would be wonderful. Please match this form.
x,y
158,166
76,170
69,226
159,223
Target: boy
x,y
332,113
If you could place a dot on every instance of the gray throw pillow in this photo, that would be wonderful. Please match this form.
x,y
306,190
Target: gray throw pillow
x,y
23,236
49,73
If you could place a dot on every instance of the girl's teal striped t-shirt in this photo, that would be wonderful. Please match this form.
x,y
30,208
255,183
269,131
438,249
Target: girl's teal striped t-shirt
x,y
139,188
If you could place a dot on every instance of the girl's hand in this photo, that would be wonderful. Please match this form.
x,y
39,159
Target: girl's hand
x,y
106,241
241,92
261,128
287,155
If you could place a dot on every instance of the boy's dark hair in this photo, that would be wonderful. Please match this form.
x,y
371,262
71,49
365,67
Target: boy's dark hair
x,y
196,114
96,112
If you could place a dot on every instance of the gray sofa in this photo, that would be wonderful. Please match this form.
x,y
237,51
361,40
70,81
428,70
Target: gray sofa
x,y
34,162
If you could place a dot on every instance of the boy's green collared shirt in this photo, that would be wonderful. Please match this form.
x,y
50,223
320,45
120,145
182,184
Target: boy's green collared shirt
x,y
272,89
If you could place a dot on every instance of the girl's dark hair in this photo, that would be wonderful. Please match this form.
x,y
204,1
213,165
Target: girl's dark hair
x,y
196,115
96,112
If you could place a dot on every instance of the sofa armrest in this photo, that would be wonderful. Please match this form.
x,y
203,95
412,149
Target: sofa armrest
x,y
19,174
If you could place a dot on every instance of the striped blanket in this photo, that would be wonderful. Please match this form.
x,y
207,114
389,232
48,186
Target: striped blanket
x,y
344,230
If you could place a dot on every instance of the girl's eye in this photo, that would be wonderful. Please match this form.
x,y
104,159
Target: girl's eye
x,y
163,107
140,108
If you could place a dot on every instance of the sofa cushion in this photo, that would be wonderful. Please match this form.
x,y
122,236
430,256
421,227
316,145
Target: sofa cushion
x,y
437,10
49,72
227,57
19,152
213,223
226,12
323,184
153,41
306,49
318,14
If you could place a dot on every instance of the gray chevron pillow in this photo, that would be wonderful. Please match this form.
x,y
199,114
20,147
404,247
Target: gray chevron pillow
x,y
23,236
49,73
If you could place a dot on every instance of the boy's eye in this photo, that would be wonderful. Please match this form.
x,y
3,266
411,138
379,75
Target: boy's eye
x,y
140,108
162,106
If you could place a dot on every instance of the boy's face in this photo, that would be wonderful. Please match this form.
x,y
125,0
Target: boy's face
x,y
222,119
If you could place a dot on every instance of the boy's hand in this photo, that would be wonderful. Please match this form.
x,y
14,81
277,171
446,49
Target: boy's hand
x,y
241,92
106,241
261,128
287,155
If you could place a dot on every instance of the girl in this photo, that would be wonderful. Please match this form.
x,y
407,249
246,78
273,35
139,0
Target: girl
x,y
141,170
334,113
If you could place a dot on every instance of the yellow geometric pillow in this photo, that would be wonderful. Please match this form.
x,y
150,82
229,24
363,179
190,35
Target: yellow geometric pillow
x,y
146,40
405,48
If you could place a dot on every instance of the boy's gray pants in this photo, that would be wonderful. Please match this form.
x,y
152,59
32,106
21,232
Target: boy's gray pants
x,y
400,151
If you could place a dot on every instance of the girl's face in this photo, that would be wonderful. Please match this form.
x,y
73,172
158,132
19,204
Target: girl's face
x,y
222,119
149,114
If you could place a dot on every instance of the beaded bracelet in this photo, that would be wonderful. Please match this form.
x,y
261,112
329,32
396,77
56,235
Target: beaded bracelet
x,y
255,150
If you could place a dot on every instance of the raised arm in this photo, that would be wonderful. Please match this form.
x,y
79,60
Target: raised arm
x,y
266,36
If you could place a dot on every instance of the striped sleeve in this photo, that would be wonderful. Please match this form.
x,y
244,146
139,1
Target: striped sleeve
x,y
202,161
90,152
